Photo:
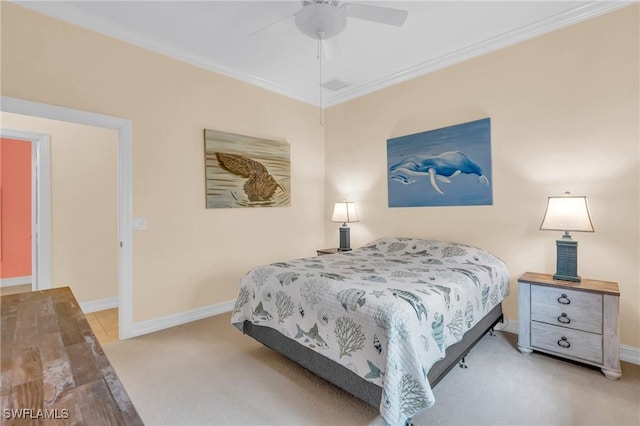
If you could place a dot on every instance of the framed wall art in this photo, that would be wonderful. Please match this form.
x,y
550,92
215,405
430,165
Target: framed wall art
x,y
244,171
450,166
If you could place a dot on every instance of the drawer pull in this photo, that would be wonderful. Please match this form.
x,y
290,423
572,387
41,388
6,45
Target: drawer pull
x,y
564,300
564,319
563,342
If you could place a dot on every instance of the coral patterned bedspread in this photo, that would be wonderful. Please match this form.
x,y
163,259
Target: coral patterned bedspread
x,y
386,311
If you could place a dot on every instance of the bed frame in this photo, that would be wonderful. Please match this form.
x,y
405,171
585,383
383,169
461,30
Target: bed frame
x,y
351,382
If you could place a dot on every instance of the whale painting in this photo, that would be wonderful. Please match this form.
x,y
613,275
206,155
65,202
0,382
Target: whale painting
x,y
450,166
243,171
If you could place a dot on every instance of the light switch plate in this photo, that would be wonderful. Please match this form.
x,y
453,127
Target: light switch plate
x,y
139,224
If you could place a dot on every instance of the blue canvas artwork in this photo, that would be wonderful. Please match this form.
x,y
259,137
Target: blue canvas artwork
x,y
450,166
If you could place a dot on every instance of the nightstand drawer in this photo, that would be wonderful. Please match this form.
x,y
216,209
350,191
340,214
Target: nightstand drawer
x,y
567,342
579,310
588,330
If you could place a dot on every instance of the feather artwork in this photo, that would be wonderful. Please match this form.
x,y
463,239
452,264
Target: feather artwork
x,y
260,185
245,171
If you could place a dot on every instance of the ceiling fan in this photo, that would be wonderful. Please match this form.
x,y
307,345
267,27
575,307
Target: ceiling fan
x,y
324,19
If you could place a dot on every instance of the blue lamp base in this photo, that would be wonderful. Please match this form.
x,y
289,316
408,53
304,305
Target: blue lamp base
x,y
567,260
345,242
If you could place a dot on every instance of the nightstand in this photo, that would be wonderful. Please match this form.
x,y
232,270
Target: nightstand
x,y
576,321
322,252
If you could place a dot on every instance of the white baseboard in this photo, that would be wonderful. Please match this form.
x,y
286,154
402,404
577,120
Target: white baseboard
x,y
10,282
99,305
629,354
169,321
508,326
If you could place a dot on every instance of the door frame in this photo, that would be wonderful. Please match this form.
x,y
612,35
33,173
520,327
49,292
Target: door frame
x,y
125,173
40,204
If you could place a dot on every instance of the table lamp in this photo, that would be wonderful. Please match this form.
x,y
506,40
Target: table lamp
x,y
567,213
344,212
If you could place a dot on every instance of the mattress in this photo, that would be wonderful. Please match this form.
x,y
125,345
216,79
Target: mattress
x,y
386,311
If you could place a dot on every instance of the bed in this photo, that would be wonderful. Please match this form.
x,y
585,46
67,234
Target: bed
x,y
384,322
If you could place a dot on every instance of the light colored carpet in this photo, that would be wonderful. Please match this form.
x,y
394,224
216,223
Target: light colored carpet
x,y
208,373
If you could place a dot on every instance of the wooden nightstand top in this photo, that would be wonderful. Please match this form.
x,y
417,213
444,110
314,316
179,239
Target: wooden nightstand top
x,y
327,251
598,286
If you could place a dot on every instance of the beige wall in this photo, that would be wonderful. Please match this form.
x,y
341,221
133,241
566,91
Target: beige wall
x,y
189,257
84,217
564,116
564,110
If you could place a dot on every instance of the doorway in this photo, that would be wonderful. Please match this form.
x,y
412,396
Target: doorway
x,y
82,182
32,271
124,173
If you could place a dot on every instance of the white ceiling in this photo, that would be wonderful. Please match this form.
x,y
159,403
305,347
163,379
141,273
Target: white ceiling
x,y
217,35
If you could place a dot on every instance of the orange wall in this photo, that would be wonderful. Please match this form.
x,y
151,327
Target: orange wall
x,y
15,178
84,209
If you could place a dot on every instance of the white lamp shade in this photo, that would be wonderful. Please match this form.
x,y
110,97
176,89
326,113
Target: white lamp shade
x,y
567,213
321,20
344,212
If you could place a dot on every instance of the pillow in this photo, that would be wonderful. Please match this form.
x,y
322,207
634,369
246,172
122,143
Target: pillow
x,y
448,252
400,246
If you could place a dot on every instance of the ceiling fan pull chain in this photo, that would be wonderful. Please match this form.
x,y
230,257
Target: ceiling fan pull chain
x,y
320,33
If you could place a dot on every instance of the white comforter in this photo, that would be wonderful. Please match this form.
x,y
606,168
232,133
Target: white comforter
x,y
386,311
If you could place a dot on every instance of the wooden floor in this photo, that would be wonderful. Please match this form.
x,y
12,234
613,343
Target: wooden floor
x,y
104,323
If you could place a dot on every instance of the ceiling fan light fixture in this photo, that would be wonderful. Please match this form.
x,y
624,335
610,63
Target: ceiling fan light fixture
x,y
321,20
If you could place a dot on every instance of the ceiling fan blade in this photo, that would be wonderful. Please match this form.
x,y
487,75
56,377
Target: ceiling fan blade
x,y
382,15
331,48
270,25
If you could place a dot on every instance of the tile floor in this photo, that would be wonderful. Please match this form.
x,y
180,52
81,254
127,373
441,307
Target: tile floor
x,y
104,325
14,289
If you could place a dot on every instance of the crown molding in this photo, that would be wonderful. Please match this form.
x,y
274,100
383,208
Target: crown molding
x,y
66,12
527,32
